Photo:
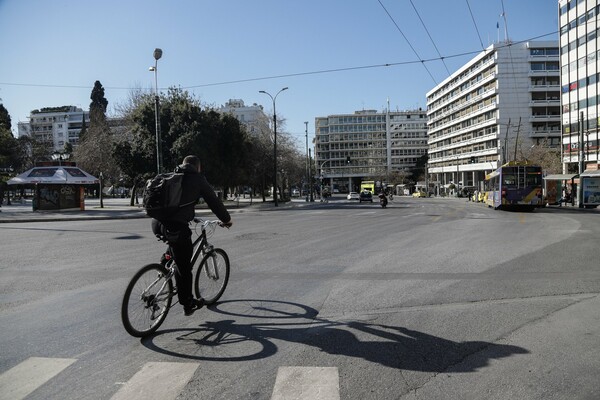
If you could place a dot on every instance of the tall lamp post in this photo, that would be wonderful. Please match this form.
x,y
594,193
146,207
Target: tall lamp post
x,y
307,161
157,56
274,142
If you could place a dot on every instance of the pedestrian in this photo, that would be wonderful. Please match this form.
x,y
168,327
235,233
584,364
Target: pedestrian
x,y
177,231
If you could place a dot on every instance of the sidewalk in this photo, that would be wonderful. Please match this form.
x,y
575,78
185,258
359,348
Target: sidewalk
x,y
115,208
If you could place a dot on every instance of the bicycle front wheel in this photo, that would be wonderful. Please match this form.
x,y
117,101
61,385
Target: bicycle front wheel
x,y
147,300
212,276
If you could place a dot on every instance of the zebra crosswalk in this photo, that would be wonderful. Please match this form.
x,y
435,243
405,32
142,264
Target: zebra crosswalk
x,y
298,383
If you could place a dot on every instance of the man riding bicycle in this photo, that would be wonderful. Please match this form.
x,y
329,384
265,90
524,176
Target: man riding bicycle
x,y
177,232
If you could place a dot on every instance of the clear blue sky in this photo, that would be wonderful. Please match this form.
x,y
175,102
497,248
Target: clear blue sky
x,y
52,52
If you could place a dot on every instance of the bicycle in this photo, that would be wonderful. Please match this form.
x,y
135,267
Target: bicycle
x,y
149,294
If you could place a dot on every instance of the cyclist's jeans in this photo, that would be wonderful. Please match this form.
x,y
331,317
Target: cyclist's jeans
x,y
182,252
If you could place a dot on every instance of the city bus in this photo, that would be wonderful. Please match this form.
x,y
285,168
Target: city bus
x,y
515,185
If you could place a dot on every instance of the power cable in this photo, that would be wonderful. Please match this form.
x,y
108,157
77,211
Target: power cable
x,y
475,24
407,41
317,72
430,38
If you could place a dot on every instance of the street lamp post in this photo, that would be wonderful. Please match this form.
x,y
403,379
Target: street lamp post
x,y
307,161
274,142
157,56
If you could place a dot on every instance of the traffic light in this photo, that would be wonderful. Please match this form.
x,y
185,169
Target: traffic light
x,y
347,159
472,161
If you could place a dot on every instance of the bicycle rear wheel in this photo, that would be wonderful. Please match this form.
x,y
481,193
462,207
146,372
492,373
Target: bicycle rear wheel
x,y
147,300
212,276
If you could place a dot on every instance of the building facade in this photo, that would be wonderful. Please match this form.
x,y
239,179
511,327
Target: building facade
x,y
579,53
493,110
55,126
368,145
253,117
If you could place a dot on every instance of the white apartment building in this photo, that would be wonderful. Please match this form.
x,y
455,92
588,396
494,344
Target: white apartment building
x,y
579,53
368,145
253,117
492,110
55,126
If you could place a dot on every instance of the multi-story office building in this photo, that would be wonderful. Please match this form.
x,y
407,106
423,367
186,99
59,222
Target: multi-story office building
x,y
579,53
368,145
55,126
492,110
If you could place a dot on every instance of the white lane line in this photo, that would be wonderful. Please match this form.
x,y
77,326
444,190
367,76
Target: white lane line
x,y
21,380
307,383
157,380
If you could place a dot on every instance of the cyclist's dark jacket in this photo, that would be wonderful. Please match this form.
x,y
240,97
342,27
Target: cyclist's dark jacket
x,y
194,186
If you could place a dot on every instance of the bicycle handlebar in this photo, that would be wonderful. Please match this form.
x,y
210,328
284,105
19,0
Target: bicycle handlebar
x,y
207,223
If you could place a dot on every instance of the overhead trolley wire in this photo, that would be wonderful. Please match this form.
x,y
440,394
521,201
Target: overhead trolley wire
x,y
475,24
407,41
317,72
430,38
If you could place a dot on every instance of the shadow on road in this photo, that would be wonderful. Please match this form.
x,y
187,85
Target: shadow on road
x,y
258,323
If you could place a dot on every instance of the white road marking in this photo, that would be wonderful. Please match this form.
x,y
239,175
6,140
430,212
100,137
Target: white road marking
x,y
157,380
307,383
21,380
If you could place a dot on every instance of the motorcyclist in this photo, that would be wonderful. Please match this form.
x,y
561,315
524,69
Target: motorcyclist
x,y
382,199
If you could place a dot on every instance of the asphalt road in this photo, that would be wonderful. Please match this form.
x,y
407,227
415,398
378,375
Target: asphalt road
x,y
427,299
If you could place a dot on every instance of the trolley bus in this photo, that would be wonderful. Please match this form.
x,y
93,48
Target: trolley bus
x,y
515,186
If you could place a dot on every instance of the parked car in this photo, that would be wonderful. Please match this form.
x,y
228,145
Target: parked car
x,y
365,195
353,196
419,194
295,193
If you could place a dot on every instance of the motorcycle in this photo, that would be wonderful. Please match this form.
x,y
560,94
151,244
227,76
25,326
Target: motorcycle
x,y
382,200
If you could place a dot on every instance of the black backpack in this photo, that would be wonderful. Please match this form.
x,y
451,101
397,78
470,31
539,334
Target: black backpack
x,y
162,195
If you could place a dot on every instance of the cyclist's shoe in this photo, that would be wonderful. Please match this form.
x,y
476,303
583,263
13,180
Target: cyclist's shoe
x,y
195,304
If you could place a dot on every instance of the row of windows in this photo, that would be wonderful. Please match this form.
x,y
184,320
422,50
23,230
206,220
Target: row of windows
x,y
583,18
404,135
582,62
546,126
356,145
545,81
546,51
569,6
545,96
339,137
588,124
455,106
545,66
420,125
489,144
490,130
581,104
452,163
583,39
463,76
463,87
409,143
357,128
583,82
356,119
408,152
471,121
545,111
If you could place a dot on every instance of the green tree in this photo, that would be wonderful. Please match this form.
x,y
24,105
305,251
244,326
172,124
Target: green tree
x,y
10,151
95,150
99,103
5,123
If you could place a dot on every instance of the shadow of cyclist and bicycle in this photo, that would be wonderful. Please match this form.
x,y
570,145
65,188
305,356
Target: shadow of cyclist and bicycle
x,y
269,322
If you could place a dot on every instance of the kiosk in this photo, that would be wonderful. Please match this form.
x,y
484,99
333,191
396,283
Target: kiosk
x,y
56,187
